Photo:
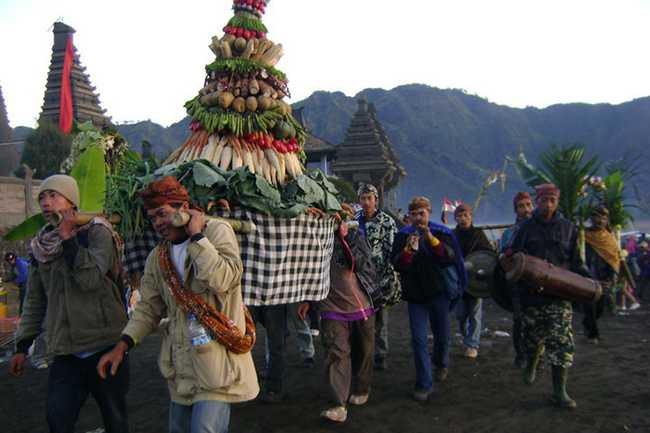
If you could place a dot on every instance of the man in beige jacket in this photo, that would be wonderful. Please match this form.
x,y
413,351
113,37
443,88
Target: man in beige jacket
x,y
203,375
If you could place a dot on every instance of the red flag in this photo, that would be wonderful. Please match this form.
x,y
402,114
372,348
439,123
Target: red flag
x,y
65,100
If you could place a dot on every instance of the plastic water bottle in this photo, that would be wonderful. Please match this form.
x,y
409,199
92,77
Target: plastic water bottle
x,y
199,337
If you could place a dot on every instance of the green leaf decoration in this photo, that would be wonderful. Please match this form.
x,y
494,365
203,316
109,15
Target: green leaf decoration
x,y
90,173
331,203
567,168
205,176
312,192
248,22
207,183
166,170
266,190
216,119
27,229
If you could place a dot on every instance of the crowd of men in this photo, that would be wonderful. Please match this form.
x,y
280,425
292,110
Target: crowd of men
x,y
192,280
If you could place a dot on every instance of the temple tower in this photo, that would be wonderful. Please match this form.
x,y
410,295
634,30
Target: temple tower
x,y
85,102
366,154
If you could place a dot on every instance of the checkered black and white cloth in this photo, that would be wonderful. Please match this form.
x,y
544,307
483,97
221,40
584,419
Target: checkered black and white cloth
x,y
136,251
285,260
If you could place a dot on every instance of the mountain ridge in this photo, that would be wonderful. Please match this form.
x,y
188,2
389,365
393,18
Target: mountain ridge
x,y
449,141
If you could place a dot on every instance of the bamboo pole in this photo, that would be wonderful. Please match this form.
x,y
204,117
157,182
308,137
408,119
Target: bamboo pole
x,y
179,219
494,226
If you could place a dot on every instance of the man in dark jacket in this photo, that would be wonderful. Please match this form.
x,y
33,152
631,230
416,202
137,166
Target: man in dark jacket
x,y
547,319
604,261
523,206
469,310
430,264
643,260
74,288
379,229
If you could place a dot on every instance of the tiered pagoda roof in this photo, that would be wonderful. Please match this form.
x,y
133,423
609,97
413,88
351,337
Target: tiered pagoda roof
x,y
366,154
85,102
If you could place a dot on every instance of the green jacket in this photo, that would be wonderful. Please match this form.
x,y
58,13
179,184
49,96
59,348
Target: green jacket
x,y
73,297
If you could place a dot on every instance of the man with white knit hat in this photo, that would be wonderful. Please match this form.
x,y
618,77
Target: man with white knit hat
x,y
75,292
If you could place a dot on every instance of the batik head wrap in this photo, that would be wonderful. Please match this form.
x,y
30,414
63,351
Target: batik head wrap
x,y
167,190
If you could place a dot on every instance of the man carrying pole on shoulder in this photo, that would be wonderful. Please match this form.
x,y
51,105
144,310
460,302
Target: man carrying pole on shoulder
x,y
75,293
193,278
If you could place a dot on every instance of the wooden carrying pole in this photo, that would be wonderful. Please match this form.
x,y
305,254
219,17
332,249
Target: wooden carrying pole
x,y
179,219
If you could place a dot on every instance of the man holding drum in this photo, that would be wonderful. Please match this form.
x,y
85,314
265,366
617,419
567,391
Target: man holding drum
x,y
547,319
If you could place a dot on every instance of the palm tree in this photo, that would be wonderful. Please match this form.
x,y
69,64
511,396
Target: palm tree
x,y
567,169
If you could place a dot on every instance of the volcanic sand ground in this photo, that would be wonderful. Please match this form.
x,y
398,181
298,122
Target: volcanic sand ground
x,y
609,382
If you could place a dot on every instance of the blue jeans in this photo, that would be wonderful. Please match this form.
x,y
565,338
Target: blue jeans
x,y
381,333
469,313
207,416
72,379
436,315
303,332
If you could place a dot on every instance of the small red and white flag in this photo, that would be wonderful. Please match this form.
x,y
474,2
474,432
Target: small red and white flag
x,y
448,206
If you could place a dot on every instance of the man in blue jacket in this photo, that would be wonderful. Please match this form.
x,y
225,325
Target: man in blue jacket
x,y
430,263
19,275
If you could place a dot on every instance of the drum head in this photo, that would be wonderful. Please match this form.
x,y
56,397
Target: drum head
x,y
480,267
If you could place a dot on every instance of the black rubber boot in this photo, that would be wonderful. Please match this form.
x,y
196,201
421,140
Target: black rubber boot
x,y
560,397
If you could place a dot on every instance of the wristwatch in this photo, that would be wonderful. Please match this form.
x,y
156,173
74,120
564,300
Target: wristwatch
x,y
196,237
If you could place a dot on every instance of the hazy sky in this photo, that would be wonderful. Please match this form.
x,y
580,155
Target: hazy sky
x,y
147,58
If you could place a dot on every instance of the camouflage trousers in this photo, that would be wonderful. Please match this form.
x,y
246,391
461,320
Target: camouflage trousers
x,y
548,327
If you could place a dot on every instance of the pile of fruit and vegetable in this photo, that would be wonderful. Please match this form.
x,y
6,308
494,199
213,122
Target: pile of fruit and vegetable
x,y
244,146
240,117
